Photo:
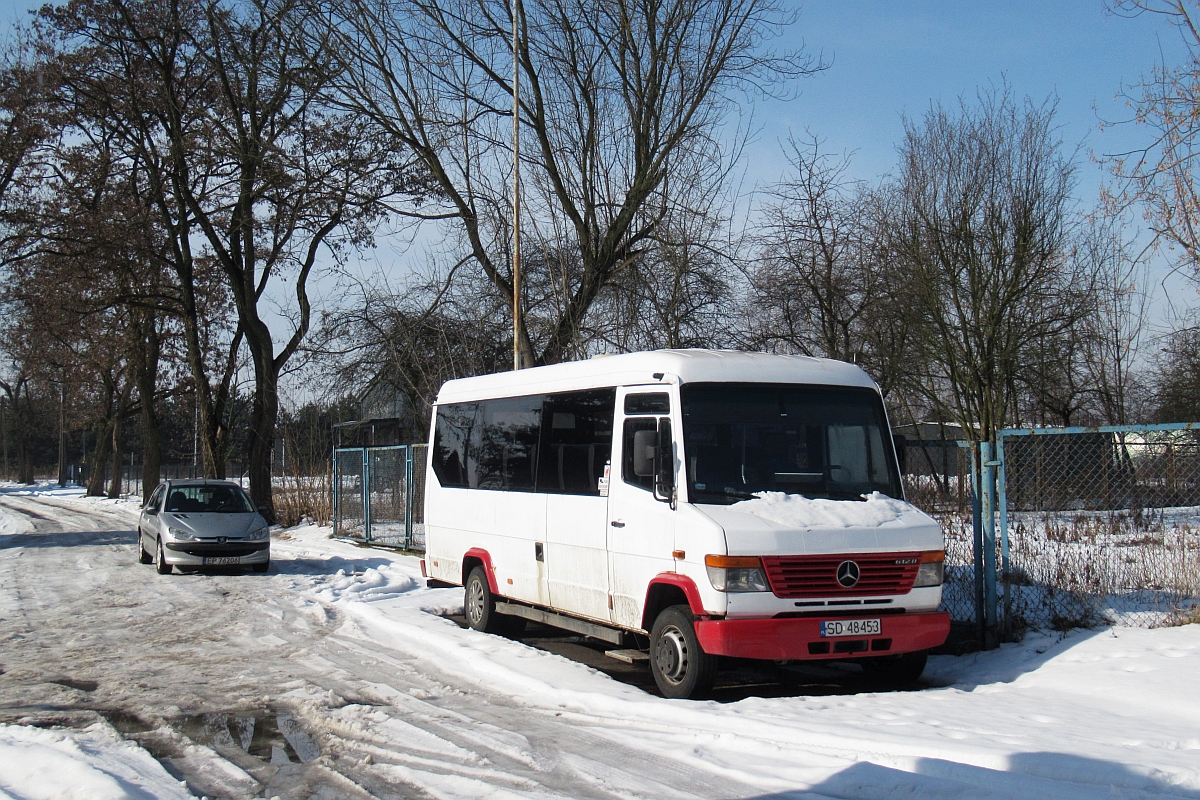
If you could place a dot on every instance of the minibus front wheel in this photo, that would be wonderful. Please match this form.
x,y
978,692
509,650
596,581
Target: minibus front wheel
x,y
679,665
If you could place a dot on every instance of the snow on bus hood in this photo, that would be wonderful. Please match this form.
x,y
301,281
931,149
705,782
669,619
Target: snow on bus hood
x,y
777,522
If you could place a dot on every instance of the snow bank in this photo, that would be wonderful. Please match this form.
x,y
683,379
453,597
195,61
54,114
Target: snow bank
x,y
797,511
92,764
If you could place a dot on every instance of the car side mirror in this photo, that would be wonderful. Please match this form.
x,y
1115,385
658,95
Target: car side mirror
x,y
262,508
645,452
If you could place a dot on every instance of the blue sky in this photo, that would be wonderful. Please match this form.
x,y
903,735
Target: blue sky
x,y
895,58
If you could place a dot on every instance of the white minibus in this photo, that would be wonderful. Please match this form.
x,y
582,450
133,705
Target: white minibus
x,y
706,503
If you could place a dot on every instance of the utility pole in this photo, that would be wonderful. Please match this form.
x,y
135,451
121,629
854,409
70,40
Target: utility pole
x,y
516,16
62,431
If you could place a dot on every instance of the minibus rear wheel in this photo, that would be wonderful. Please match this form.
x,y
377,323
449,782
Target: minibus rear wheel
x,y
679,665
479,605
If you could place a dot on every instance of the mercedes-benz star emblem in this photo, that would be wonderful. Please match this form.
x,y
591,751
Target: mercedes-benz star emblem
x,y
847,574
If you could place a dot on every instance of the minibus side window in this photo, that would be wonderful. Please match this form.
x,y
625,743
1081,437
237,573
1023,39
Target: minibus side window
x,y
506,450
632,426
577,430
456,425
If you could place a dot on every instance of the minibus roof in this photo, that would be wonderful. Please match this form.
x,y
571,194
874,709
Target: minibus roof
x,y
657,367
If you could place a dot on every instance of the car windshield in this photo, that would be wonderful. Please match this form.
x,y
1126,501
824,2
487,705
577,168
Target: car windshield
x,y
817,441
210,499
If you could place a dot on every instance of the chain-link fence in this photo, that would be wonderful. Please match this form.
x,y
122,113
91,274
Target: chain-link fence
x,y
937,479
379,494
1099,526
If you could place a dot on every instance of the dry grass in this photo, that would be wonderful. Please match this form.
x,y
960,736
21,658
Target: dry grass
x,y
301,499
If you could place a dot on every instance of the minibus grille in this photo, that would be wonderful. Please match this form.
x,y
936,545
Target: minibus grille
x,y
817,576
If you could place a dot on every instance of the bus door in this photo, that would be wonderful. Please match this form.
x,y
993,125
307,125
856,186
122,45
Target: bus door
x,y
641,528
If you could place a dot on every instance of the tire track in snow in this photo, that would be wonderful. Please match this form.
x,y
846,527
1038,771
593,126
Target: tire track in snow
x,y
158,649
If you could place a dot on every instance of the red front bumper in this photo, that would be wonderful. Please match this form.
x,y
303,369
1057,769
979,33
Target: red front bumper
x,y
794,639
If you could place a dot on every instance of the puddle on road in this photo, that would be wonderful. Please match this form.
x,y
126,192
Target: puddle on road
x,y
274,737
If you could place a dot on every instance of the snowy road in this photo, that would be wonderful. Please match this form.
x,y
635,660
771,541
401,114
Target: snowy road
x,y
339,675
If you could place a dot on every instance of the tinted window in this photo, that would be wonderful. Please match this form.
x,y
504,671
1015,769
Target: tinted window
x,y
819,441
457,425
546,443
648,403
576,441
507,451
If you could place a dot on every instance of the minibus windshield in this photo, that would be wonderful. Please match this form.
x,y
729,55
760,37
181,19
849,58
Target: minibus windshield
x,y
817,441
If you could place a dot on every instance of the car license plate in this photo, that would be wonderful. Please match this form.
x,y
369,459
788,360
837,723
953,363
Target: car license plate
x,y
851,627
222,560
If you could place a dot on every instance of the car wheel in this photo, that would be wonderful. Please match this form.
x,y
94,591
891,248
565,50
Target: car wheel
x,y
901,670
479,605
160,560
143,556
263,567
680,666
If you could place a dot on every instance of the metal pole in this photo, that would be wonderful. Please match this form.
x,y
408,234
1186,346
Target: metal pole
x,y
334,492
1002,507
366,494
516,90
988,477
408,497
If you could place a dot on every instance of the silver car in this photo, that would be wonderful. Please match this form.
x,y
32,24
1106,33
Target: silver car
x,y
198,523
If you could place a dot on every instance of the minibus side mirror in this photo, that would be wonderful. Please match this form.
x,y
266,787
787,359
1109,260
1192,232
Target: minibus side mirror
x,y
901,444
664,478
645,452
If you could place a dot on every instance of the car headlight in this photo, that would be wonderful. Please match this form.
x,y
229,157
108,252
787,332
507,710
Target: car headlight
x,y
258,534
180,533
736,573
932,570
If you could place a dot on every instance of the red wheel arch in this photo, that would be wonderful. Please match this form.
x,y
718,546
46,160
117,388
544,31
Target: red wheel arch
x,y
486,559
681,582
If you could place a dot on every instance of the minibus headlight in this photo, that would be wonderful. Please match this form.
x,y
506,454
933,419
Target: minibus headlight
x,y
736,573
932,569
180,533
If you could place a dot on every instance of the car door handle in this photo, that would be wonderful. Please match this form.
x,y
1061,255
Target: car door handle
x,y
616,523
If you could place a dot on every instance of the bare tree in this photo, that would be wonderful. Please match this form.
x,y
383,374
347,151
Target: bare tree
x,y
983,232
620,101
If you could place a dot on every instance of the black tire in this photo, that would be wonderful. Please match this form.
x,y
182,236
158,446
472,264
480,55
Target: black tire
x,y
160,562
901,670
479,605
263,567
680,666
143,556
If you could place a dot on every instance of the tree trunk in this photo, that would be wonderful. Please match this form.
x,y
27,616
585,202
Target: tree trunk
x,y
118,438
146,372
263,417
98,461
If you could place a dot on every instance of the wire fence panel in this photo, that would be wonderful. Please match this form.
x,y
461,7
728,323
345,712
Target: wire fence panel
x,y
389,495
380,494
937,480
349,517
420,456
1102,527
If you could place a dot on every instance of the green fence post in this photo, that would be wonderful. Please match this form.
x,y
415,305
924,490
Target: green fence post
x,y
366,494
1002,508
337,511
408,498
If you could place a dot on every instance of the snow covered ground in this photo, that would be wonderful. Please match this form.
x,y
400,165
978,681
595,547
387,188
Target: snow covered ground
x,y
340,675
